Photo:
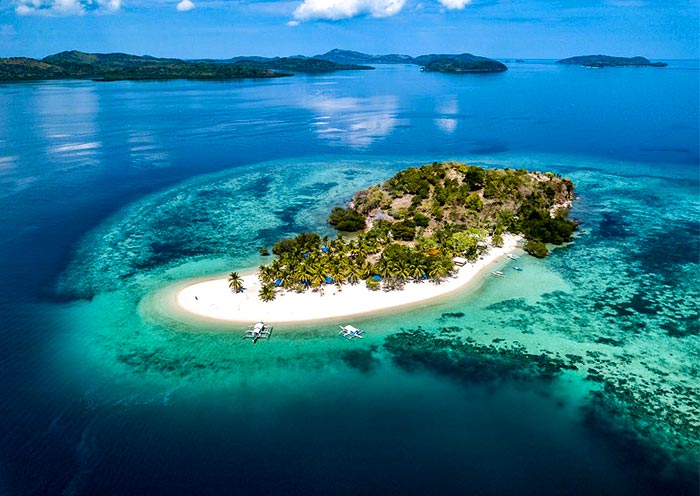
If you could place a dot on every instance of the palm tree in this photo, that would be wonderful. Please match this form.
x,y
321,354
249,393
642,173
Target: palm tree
x,y
355,273
401,270
306,273
265,274
235,282
417,272
437,272
318,277
267,292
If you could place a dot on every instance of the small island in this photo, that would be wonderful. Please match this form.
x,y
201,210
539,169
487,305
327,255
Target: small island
x,y
121,66
425,232
601,61
447,63
459,64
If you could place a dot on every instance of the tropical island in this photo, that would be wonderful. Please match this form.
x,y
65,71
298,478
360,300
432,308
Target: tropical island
x,y
448,63
601,61
460,64
423,233
122,66
75,64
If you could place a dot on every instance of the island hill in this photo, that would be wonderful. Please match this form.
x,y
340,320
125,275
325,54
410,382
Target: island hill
x,y
121,66
601,61
416,225
448,63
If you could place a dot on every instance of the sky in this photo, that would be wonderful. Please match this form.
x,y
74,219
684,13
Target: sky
x,y
657,29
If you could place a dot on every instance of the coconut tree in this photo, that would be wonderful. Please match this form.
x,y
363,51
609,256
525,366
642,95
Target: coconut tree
x,y
306,273
318,277
400,269
417,272
355,273
266,274
267,292
338,245
235,282
338,268
437,272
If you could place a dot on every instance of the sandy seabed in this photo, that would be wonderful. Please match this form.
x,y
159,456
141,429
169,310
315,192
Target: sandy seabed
x,y
212,299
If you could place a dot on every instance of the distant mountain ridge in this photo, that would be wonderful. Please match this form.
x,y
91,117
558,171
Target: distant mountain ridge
x,y
350,57
453,63
599,61
297,63
122,66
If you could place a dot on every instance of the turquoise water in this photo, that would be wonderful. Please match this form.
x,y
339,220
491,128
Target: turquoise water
x,y
112,192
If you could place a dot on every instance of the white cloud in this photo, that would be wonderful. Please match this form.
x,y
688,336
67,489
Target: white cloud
x,y
185,6
334,10
65,7
455,4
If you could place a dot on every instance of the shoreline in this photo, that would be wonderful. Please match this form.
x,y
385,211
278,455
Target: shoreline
x,y
213,301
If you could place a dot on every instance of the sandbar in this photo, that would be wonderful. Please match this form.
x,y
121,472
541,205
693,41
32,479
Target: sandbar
x,y
212,299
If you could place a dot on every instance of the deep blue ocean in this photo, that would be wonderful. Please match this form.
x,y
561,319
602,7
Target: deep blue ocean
x,y
111,191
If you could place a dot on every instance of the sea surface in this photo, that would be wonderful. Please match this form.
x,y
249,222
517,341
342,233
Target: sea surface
x,y
578,375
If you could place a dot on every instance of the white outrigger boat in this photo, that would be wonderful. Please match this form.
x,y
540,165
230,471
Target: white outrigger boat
x,y
512,257
350,332
258,331
499,273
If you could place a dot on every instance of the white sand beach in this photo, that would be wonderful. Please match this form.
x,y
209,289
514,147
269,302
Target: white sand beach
x,y
213,299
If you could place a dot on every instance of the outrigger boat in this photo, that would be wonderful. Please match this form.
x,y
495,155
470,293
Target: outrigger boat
x,y
519,269
498,273
350,332
257,331
512,257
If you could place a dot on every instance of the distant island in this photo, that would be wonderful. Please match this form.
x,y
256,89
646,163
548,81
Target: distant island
x,y
298,63
121,66
449,63
600,61
351,57
441,223
458,64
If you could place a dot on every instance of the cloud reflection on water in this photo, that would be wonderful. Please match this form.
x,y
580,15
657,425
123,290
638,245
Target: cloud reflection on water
x,y
354,122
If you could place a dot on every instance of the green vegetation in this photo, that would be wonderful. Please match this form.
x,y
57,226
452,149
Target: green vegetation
x,y
413,225
456,66
536,248
347,219
267,292
293,64
121,66
599,61
235,282
463,62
